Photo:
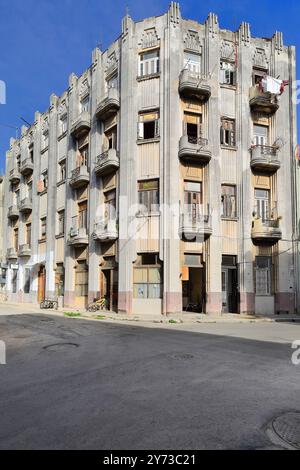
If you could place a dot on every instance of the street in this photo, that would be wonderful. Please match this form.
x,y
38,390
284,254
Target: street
x,y
80,384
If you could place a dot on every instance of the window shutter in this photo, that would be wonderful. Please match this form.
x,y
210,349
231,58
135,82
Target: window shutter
x,y
157,128
140,130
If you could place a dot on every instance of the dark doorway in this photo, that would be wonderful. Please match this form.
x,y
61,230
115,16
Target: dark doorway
x,y
229,284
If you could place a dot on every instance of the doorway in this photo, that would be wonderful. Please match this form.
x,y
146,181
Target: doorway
x,y
194,284
229,285
41,284
109,288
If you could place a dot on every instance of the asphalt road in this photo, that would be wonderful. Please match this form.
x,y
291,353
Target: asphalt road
x,y
128,387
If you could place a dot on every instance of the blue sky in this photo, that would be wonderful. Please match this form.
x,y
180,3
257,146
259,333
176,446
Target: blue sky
x,y
43,41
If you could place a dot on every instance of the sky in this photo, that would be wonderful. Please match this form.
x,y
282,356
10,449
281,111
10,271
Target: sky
x,y
43,41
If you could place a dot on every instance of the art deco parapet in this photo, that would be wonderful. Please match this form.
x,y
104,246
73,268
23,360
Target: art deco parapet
x,y
266,232
81,124
12,254
195,226
107,162
14,175
109,106
26,205
194,149
80,177
264,158
262,102
24,251
106,231
13,212
27,166
192,85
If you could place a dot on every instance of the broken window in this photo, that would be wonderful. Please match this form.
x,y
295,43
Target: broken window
x,y
148,125
227,73
228,200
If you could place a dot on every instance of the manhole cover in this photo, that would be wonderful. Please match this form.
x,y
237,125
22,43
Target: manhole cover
x,y
182,357
285,430
60,347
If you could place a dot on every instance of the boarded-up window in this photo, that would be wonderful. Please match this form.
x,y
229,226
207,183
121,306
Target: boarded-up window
x,y
263,273
147,279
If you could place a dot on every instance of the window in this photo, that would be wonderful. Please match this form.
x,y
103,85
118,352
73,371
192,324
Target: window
x,y
62,171
63,124
82,155
45,141
262,200
148,125
192,126
228,73
81,279
111,139
28,234
112,82
31,154
147,277
17,197
258,75
228,132
193,199
192,62
148,194
45,179
29,190
82,215
43,228
61,222
228,200
27,281
60,280
260,135
14,281
263,275
110,205
16,239
149,63
85,105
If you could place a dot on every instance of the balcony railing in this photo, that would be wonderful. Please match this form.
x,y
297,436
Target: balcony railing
x,y
14,175
263,102
106,230
80,177
24,250
266,231
107,162
13,212
109,105
27,166
81,124
26,205
193,148
78,232
193,85
265,158
195,225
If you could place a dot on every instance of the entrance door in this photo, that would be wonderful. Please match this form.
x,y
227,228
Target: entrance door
x,y
193,287
41,284
229,290
109,288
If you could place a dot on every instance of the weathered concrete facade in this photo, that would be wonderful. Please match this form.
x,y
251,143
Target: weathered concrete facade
x,y
163,178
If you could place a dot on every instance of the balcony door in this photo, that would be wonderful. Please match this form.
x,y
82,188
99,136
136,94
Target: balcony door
x,y
82,215
192,62
262,200
110,205
192,126
193,200
261,135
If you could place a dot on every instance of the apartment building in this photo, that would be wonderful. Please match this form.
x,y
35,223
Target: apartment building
x,y
164,178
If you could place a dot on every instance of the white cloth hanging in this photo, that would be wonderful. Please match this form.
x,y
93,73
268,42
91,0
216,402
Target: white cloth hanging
x,y
271,85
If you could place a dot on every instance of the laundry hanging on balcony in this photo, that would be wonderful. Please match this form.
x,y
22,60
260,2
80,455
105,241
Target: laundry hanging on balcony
x,y
273,85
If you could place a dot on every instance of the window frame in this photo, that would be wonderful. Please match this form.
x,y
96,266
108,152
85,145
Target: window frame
x,y
153,117
268,272
229,133
228,73
226,203
152,63
148,284
148,195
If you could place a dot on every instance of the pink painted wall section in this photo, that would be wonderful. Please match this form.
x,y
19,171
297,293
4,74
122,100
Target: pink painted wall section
x,y
172,302
125,302
247,303
285,302
214,303
69,300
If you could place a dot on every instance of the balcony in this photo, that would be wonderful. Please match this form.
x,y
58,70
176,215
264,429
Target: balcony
x,y
12,254
13,212
194,149
192,85
109,106
27,167
266,232
14,176
78,236
261,102
107,162
24,251
264,158
80,177
81,125
195,226
106,230
26,206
